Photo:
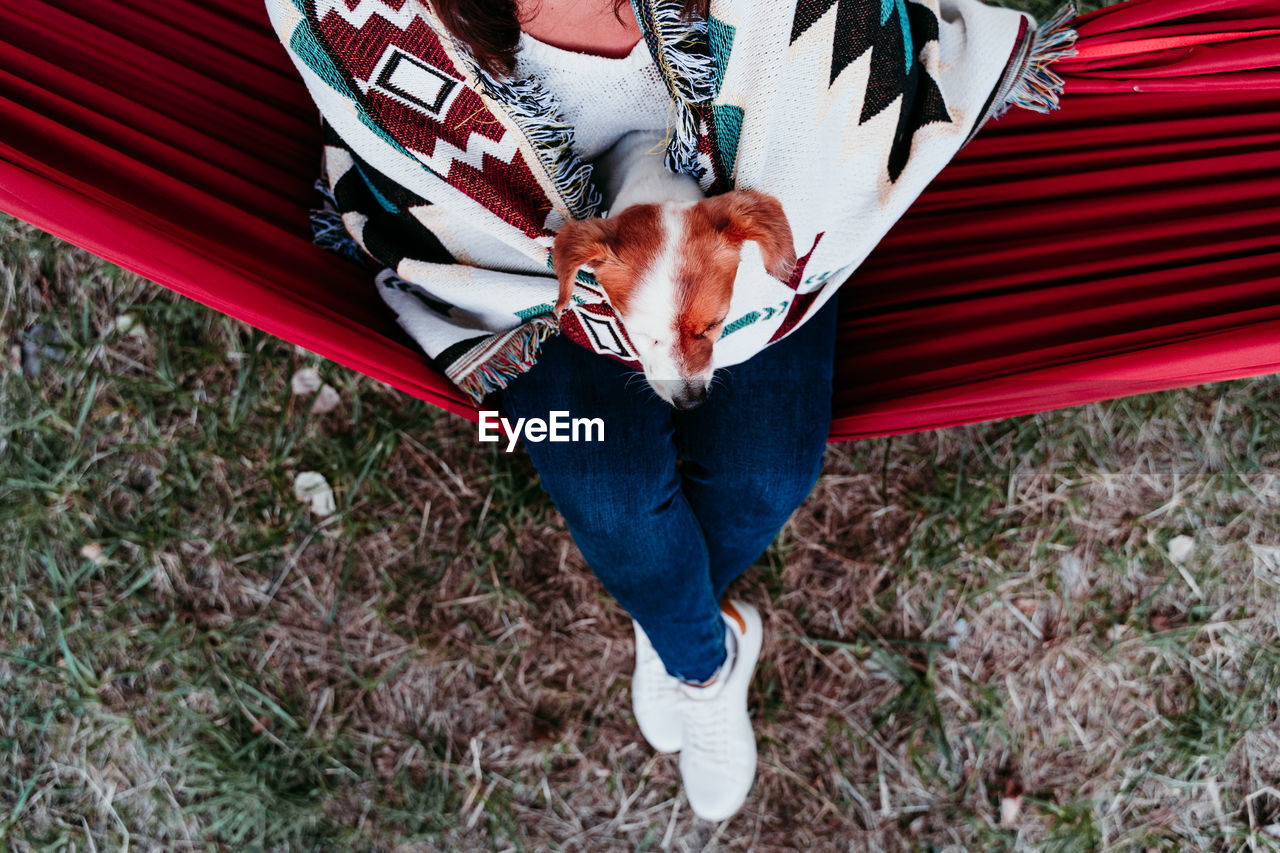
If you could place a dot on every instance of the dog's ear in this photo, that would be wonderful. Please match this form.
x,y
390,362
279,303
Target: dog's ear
x,y
578,243
751,215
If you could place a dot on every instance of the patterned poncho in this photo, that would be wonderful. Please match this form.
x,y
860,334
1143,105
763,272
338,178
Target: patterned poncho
x,y
452,183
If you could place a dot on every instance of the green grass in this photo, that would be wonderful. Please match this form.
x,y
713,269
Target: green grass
x,y
174,455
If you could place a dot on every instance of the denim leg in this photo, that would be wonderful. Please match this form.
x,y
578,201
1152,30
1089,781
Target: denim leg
x,y
752,453
622,500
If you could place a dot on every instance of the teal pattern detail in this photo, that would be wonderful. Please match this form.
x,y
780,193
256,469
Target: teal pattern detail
x,y
303,42
386,203
887,7
728,121
754,316
742,322
727,118
720,36
368,122
535,311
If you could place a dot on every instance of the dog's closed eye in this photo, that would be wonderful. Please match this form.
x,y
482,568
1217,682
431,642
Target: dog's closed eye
x,y
709,329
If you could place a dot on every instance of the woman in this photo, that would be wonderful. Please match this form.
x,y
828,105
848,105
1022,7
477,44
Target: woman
x,y
673,505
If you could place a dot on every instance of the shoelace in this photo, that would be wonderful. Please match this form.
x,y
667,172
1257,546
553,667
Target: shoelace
x,y
707,734
707,727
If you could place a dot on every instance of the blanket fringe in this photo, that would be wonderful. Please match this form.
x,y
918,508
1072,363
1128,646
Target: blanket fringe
x,y
1039,87
329,231
516,351
682,48
538,115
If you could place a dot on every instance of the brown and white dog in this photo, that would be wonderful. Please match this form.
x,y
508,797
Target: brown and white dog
x,y
666,258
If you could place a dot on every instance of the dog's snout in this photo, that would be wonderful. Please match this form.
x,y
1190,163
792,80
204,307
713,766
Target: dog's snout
x,y
691,396
681,393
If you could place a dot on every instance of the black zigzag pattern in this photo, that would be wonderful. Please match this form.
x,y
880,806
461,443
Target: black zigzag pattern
x,y
858,29
391,232
922,101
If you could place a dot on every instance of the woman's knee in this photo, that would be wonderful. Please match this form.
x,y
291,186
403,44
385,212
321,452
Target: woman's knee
x,y
600,513
775,489
601,493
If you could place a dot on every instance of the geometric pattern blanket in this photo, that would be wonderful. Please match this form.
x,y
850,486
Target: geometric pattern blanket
x,y
450,184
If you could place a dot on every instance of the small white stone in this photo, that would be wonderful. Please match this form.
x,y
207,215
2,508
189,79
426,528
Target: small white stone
x,y
92,551
1010,808
326,401
1071,575
959,631
1180,548
312,486
306,381
127,324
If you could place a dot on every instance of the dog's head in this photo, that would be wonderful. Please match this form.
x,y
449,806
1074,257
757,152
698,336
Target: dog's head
x,y
668,270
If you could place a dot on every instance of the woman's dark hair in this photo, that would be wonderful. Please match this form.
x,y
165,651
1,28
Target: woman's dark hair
x,y
491,28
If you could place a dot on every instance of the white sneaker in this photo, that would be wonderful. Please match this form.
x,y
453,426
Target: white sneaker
x,y
718,758
655,697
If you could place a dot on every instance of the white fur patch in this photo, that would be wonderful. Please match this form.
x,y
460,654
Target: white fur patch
x,y
651,307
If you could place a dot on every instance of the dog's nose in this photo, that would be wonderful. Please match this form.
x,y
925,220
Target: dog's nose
x,y
691,396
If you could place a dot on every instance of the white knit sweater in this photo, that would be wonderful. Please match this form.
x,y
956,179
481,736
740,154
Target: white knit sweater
x,y
601,97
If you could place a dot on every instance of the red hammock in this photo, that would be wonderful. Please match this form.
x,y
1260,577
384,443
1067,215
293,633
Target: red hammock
x,y
1128,243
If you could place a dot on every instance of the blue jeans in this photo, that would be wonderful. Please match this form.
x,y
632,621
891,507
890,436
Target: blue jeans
x,y
674,505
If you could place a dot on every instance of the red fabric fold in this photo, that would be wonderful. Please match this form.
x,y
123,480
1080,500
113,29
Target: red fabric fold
x,y
1129,242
